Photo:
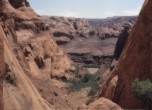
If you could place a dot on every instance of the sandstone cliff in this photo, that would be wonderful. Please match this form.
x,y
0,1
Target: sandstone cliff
x,y
135,61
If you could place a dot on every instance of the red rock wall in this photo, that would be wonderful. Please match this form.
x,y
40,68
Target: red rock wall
x,y
136,59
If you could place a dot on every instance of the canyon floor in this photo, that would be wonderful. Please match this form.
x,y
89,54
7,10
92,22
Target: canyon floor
x,y
68,94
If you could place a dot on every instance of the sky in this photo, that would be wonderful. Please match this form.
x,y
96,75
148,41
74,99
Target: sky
x,y
87,8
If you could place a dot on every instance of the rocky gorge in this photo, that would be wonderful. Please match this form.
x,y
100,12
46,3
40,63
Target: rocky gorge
x,y
89,42
44,59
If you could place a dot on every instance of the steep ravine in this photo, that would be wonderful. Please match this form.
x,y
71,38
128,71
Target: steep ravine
x,y
89,42
42,58
35,65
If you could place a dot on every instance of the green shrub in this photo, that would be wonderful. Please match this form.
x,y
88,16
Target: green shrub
x,y
143,90
88,80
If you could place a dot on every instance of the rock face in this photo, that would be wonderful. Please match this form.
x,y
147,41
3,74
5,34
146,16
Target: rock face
x,y
34,42
136,60
18,89
89,42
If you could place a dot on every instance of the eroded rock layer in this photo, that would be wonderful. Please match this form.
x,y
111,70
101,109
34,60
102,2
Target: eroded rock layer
x,y
89,42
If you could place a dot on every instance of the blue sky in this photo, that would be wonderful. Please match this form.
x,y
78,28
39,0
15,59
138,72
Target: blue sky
x,y
87,8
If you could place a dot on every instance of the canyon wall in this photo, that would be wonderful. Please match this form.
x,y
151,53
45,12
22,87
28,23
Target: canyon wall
x,y
135,61
28,51
19,92
34,44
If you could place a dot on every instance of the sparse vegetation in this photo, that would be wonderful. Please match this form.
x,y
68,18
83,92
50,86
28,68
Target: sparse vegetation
x,y
86,81
143,90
